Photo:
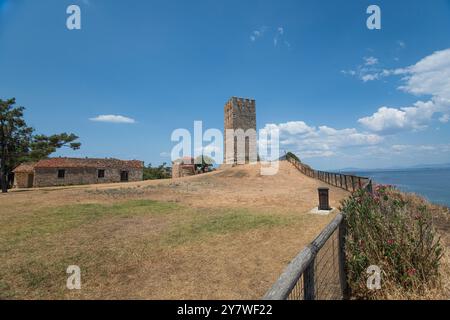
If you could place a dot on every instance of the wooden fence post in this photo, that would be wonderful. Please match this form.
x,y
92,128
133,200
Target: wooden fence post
x,y
308,282
353,182
342,264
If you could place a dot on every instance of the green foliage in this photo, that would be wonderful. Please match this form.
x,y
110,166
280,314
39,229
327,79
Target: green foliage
x,y
154,173
291,155
42,146
17,143
395,232
204,160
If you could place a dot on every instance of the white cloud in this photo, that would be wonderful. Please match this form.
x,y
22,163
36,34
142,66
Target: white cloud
x,y
256,34
445,118
277,33
278,36
370,61
428,77
401,44
322,141
370,70
369,77
390,120
111,118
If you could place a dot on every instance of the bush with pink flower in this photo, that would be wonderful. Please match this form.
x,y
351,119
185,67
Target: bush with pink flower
x,y
394,231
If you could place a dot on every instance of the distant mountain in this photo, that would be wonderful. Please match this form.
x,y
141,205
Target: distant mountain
x,y
418,166
425,166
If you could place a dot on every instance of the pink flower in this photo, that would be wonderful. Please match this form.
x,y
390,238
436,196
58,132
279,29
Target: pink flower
x,y
361,244
390,242
411,272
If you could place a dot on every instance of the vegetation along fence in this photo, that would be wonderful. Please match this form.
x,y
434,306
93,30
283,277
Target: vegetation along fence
x,y
318,271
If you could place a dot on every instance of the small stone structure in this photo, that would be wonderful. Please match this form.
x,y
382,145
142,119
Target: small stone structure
x,y
24,175
240,113
183,167
76,171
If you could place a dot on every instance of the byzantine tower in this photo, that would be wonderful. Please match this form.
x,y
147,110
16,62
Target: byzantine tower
x,y
240,113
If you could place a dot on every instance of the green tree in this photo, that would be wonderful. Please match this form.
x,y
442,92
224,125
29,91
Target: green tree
x,y
42,146
153,173
292,156
203,163
204,160
18,144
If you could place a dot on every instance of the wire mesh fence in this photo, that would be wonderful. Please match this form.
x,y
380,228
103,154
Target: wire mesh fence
x,y
326,270
318,271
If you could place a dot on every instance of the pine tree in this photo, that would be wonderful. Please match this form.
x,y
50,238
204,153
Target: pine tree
x,y
18,144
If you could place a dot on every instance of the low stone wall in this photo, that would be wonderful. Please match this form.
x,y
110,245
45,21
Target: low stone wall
x,y
47,177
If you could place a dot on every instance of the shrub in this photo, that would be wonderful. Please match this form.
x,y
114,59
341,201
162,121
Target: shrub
x,y
291,155
154,173
393,231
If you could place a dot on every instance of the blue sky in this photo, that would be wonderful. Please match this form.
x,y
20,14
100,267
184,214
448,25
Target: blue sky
x,y
341,95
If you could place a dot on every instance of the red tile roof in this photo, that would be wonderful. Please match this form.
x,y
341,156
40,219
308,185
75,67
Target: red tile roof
x,y
26,167
88,163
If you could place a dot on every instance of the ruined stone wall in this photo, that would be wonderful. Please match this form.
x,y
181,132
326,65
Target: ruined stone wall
x,y
180,170
239,113
47,177
175,170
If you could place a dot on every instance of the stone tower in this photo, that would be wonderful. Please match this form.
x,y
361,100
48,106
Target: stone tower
x,y
240,113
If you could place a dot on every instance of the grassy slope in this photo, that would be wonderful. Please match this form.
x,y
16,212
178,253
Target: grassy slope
x,y
110,242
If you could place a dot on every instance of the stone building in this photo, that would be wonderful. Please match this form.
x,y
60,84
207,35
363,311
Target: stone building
x,y
76,171
24,175
183,167
240,113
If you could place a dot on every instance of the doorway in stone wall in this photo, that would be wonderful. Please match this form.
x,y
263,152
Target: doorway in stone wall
x,y
123,176
30,180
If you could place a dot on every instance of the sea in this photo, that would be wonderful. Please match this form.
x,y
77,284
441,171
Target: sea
x,y
431,183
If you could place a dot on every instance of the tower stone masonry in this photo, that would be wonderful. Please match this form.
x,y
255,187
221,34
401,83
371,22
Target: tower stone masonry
x,y
240,113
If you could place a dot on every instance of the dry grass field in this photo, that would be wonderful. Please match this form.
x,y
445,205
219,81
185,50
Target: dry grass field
x,y
223,235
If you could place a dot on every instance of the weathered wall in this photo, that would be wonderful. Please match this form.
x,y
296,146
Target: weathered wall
x,y
179,170
47,177
21,180
239,113
175,170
